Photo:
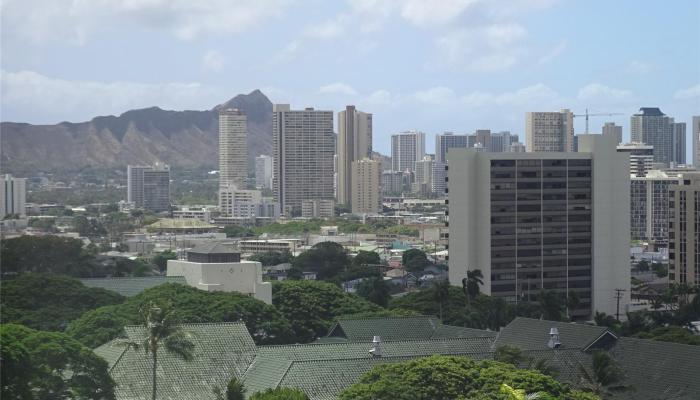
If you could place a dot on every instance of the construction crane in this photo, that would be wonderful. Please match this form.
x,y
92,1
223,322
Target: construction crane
x,y
595,115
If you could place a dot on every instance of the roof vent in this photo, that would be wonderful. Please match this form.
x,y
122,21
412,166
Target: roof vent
x,y
376,350
554,342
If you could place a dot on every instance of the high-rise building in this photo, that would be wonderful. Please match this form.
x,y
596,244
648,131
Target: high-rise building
x,y
233,148
649,206
354,143
423,183
611,129
392,182
246,204
501,141
550,220
263,172
13,193
549,131
446,141
304,148
651,126
315,208
679,142
366,187
684,237
641,157
695,131
406,149
148,187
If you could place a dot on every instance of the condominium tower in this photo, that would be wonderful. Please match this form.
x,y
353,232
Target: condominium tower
x,y
304,148
550,220
148,187
684,225
263,172
366,186
233,148
611,129
641,157
13,192
652,127
549,131
649,210
695,130
406,149
354,143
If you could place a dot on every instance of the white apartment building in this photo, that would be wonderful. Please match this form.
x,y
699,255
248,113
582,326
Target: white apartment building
x,y
233,148
641,157
549,131
547,220
649,211
406,149
148,187
317,208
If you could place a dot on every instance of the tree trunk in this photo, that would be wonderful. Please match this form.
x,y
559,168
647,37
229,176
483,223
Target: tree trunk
x,y
155,366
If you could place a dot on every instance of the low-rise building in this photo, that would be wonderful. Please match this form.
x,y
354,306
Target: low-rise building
x,y
321,208
256,246
218,267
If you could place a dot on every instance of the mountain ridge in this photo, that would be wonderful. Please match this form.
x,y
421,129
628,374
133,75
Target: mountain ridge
x,y
187,138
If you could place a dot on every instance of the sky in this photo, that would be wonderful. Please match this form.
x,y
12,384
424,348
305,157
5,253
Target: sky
x,y
434,66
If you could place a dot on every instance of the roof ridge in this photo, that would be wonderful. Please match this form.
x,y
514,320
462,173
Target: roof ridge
x,y
197,324
446,339
390,317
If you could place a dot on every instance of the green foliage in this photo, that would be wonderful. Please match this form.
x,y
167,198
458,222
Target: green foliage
x,y
375,290
291,228
50,365
446,377
160,260
605,376
265,324
280,394
674,334
269,258
366,258
553,305
76,197
414,260
235,390
311,307
326,259
45,224
49,253
238,231
660,270
49,302
509,354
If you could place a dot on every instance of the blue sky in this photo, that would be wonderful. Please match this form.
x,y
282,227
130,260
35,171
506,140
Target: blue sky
x,y
455,65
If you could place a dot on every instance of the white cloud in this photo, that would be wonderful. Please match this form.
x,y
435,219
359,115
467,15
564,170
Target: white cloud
x,y
555,52
439,95
490,48
640,68
428,13
213,61
289,51
28,94
338,88
603,93
688,93
535,95
329,29
379,97
73,21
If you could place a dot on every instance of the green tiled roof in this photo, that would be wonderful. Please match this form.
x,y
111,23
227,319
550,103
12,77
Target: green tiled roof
x,y
323,370
659,370
533,334
221,350
131,286
400,328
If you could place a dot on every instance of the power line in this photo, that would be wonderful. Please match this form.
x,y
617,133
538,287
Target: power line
x,y
618,296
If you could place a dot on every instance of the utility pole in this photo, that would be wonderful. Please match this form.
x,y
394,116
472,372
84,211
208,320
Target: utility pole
x,y
618,296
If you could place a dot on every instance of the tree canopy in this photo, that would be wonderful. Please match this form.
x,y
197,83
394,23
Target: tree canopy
x,y
272,257
280,394
49,302
312,306
447,377
326,259
50,365
414,260
265,324
374,289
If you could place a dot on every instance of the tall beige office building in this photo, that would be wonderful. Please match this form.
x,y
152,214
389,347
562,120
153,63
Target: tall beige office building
x,y
304,148
233,148
13,193
366,186
354,143
684,230
549,131
550,220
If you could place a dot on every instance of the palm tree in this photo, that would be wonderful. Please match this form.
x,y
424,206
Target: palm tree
x,y
517,394
441,293
162,328
605,377
471,283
